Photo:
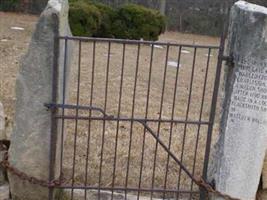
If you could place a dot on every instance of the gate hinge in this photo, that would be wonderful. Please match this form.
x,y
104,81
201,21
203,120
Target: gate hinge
x,y
229,60
50,106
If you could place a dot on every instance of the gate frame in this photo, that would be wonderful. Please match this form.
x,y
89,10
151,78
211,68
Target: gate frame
x,y
54,110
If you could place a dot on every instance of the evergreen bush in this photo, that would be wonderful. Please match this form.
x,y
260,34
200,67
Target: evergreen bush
x,y
135,22
128,22
107,17
84,18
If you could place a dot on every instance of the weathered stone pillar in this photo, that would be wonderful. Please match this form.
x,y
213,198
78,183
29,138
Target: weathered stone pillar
x,y
241,148
30,141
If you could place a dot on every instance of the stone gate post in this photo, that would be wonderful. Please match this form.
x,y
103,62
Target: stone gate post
x,y
30,141
240,151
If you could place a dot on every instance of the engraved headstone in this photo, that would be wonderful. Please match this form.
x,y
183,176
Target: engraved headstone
x,y
30,140
238,162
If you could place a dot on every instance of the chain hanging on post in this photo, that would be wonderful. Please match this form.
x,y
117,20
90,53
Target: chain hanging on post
x,y
6,165
25,177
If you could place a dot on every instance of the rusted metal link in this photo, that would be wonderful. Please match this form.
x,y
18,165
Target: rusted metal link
x,y
202,183
21,175
25,177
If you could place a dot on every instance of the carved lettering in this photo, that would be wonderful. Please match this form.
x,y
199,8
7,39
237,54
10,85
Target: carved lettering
x,y
250,91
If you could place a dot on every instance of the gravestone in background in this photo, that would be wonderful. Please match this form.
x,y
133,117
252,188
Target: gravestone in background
x,y
30,141
238,161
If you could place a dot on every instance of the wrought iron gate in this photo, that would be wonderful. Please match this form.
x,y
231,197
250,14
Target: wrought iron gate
x,y
136,119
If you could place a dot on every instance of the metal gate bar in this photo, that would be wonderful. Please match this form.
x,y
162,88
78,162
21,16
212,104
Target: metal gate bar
x,y
72,112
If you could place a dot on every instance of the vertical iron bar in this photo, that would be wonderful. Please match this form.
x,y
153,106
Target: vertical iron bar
x,y
89,121
132,115
63,110
186,117
200,118
76,119
159,123
203,193
104,121
118,122
53,136
172,117
146,114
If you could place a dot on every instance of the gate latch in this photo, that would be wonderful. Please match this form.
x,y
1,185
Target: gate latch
x,y
229,60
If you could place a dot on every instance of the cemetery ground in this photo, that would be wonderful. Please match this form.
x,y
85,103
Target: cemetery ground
x,y
13,45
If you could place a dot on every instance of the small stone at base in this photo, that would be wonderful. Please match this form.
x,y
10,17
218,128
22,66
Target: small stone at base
x,y
4,192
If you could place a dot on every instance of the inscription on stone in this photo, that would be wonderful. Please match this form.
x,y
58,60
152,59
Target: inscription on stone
x,y
249,92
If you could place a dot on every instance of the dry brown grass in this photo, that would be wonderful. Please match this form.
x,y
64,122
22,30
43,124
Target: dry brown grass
x,y
12,50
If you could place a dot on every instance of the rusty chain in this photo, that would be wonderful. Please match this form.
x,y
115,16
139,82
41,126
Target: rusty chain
x,y
23,176
202,183
6,165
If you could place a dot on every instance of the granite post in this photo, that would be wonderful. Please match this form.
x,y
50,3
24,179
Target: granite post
x,y
30,140
239,154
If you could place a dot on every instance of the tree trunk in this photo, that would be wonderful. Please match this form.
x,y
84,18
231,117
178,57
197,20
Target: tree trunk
x,y
180,23
162,6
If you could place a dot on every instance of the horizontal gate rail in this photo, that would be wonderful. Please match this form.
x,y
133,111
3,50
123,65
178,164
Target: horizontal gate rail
x,y
109,118
125,41
159,190
76,107
112,117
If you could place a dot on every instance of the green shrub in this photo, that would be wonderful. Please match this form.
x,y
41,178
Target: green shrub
x,y
107,17
135,22
131,21
84,18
